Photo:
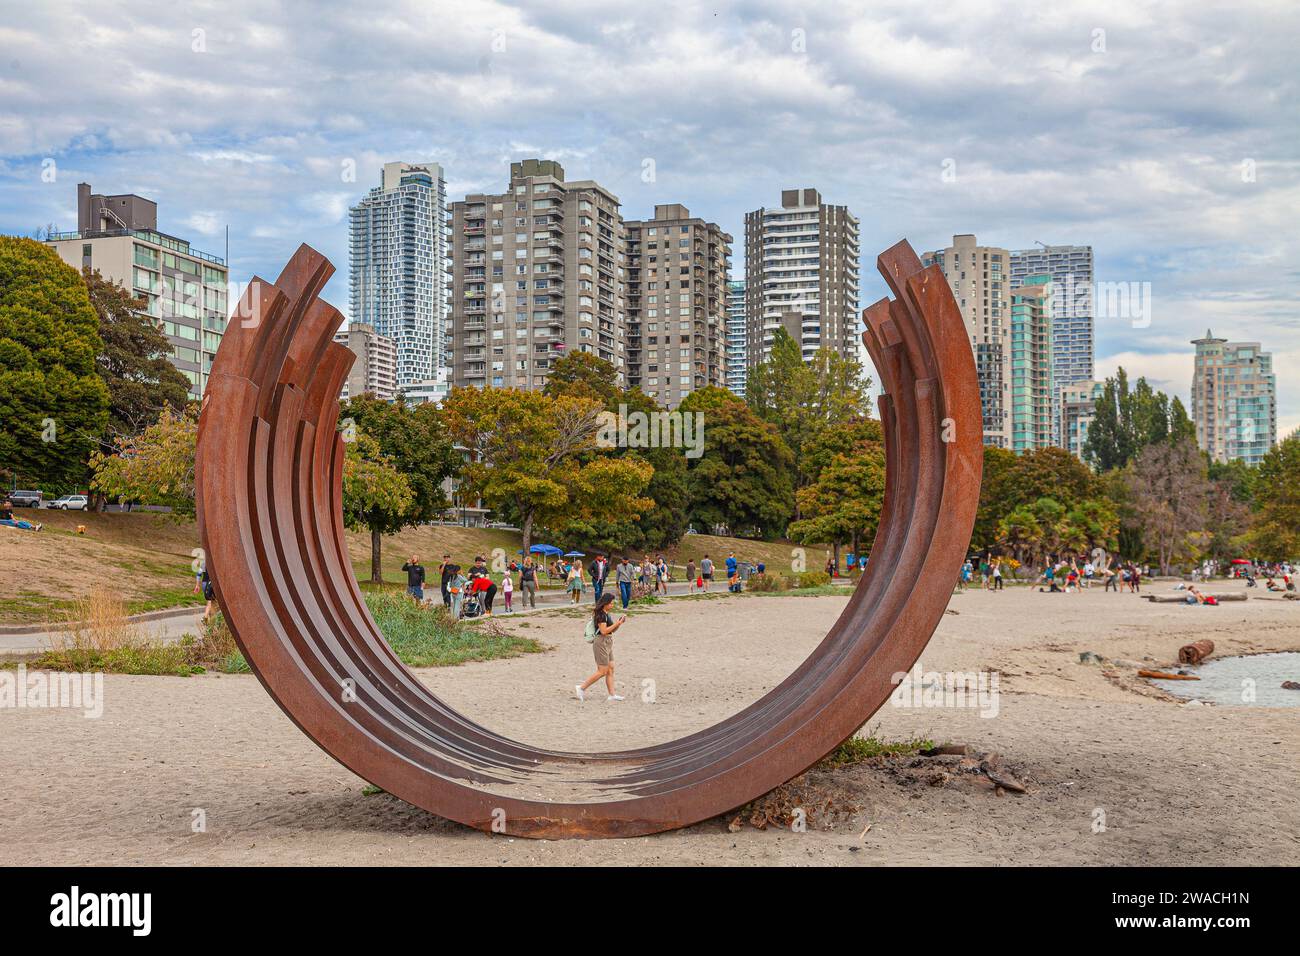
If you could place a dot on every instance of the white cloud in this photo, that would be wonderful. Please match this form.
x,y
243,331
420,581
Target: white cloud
x,y
1138,150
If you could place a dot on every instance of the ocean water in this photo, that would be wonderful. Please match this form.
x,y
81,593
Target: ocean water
x,y
1231,681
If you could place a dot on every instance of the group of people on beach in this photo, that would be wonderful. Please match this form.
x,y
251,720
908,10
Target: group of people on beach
x,y
1065,576
469,592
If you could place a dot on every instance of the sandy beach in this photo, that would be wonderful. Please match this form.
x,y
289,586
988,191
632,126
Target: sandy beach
x,y
1172,784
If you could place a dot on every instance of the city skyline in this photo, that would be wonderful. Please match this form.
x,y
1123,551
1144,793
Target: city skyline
x,y
1185,180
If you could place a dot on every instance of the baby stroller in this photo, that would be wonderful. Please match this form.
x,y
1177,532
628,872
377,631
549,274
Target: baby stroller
x,y
472,606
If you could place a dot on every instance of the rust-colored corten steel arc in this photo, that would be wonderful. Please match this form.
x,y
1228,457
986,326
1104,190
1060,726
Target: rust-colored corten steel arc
x,y
269,474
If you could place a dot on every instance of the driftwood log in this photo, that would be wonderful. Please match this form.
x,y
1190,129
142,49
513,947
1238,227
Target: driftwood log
x,y
1180,597
1195,652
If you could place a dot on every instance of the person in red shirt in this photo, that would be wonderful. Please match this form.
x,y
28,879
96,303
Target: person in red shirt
x,y
484,587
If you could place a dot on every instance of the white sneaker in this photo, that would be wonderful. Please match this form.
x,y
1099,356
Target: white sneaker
x,y
614,697
577,689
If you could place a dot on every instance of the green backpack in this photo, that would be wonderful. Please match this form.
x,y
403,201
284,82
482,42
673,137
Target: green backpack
x,y
590,632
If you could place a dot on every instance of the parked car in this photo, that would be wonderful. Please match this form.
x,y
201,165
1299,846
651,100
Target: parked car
x,y
25,499
70,503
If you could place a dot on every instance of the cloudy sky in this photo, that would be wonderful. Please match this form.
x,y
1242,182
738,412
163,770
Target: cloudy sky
x,y
1164,135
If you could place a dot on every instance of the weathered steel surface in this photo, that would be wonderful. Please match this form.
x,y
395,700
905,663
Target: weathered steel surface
x,y
269,501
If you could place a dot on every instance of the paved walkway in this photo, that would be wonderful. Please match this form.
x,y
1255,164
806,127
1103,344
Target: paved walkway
x,y
168,629
172,626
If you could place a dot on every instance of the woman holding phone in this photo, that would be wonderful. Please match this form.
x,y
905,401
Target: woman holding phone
x,y
603,647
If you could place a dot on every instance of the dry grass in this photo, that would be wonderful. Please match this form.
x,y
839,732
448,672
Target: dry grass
x,y
98,622
100,636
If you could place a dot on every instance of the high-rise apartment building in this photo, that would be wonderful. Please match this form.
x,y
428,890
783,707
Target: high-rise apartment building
x,y
185,290
536,271
1234,399
676,296
1078,408
981,284
374,371
397,244
801,274
736,337
1032,395
1073,316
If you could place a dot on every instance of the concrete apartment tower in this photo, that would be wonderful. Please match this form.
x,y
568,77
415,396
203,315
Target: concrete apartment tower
x,y
1032,395
801,274
1234,399
676,303
981,284
537,271
185,290
375,370
737,332
397,245
1078,408
1073,316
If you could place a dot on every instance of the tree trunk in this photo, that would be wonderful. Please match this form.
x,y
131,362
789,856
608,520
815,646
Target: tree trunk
x,y
376,569
528,533
835,551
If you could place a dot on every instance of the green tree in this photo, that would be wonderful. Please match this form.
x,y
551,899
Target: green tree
x,y
416,442
583,375
376,496
743,478
803,399
536,455
155,467
1126,421
134,361
53,404
998,497
843,504
1275,534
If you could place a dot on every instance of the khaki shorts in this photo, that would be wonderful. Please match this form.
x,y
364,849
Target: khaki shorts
x,y
603,648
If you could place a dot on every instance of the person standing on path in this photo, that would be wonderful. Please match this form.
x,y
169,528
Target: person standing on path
x,y
574,582
603,648
624,576
528,583
456,584
690,575
414,578
443,578
997,575
507,590
706,571
599,571
732,584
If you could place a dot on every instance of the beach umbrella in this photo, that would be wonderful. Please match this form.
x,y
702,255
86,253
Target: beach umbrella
x,y
574,554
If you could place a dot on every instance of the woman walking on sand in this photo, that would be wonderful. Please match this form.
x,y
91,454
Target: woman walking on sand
x,y
602,647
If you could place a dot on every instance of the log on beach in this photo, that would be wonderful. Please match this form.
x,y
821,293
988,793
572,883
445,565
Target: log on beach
x,y
1161,675
1180,597
1195,652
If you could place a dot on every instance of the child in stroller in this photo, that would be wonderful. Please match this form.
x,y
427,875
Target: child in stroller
x,y
472,606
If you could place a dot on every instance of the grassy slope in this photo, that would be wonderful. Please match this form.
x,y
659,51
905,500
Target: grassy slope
x,y
147,559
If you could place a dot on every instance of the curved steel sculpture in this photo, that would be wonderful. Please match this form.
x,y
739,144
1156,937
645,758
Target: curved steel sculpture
x,y
268,475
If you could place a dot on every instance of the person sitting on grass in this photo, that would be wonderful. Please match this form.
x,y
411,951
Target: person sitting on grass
x,y
7,518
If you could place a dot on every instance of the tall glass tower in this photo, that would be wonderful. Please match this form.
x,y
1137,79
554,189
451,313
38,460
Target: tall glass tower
x,y
1073,318
398,251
